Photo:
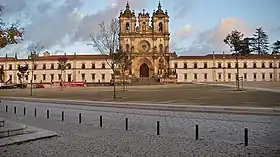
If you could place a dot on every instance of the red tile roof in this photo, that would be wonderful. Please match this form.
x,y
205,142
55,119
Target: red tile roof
x,y
229,56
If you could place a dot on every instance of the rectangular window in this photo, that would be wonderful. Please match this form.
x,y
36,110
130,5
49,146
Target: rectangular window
x,y
44,77
92,66
229,65
10,67
244,65
219,65
219,76
245,76
270,65
52,66
52,77
44,66
205,65
69,78
263,65
229,76
83,77
255,76
205,76
59,76
83,65
185,65
194,65
103,77
26,77
263,76
175,65
254,65
93,77
185,76
35,77
103,66
270,76
69,66
35,67
195,76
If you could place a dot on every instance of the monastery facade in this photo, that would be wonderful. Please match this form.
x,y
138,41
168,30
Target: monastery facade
x,y
146,40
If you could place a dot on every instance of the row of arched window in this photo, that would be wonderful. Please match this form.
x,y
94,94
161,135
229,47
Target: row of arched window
x,y
160,27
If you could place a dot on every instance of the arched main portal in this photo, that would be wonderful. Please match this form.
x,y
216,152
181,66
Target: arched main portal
x,y
144,70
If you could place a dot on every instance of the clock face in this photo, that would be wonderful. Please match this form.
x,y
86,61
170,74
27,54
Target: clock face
x,y
144,46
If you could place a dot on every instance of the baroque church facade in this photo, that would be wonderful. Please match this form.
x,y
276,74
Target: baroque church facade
x,y
146,38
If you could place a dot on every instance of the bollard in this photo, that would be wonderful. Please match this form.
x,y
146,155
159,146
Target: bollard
x,y
246,137
35,112
100,122
157,127
6,108
196,132
48,114
62,116
126,123
15,109
24,111
80,118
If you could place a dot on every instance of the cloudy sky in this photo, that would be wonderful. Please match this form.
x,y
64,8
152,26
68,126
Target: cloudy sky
x,y
197,27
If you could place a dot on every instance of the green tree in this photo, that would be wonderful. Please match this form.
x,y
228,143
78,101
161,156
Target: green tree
x,y
62,66
276,47
34,50
106,40
260,42
9,33
239,47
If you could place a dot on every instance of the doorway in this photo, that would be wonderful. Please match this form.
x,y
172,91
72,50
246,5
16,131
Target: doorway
x,y
144,70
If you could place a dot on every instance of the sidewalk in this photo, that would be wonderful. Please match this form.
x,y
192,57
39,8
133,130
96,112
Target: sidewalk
x,y
154,106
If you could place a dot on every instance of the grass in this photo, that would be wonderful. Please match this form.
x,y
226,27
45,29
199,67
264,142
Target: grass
x,y
173,94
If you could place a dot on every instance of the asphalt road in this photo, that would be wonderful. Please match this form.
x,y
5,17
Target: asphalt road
x,y
221,128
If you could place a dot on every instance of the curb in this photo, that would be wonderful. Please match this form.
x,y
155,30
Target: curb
x,y
154,106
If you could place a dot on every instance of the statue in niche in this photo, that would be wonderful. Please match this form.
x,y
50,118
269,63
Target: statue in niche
x,y
166,49
160,48
132,48
155,49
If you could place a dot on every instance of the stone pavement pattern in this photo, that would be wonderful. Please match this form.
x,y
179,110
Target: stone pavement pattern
x,y
220,134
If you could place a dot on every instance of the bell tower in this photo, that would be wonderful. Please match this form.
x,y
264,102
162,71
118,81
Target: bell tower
x,y
127,22
160,22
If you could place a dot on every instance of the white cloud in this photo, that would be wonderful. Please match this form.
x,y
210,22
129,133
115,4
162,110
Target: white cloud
x,y
212,39
50,22
183,32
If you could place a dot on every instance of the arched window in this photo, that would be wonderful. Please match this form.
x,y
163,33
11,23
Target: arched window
x,y
144,26
160,27
127,27
127,47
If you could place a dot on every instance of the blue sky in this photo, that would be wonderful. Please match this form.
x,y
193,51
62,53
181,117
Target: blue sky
x,y
197,26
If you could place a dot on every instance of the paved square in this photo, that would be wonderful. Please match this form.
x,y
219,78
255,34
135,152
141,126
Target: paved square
x,y
189,94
